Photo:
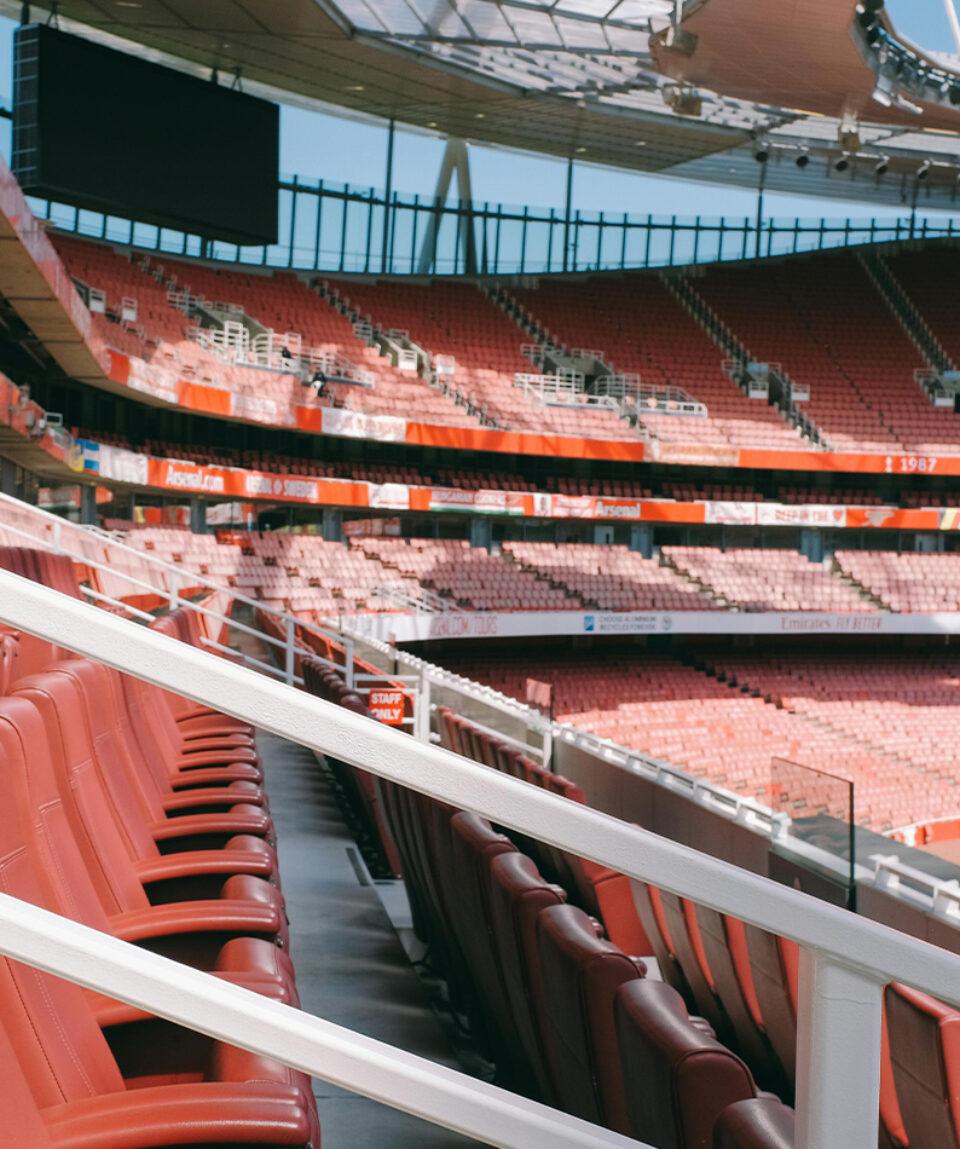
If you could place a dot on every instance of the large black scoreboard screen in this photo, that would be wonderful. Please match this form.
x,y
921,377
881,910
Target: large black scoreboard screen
x,y
115,134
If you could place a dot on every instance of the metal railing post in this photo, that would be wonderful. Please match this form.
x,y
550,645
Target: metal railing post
x,y
547,752
350,670
289,635
174,596
422,725
838,1055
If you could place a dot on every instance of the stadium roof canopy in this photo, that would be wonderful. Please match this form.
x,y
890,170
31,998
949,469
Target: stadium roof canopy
x,y
634,84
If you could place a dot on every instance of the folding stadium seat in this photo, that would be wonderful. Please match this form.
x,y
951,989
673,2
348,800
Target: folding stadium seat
x,y
681,920
774,966
77,846
518,894
212,1094
474,845
678,1078
924,1039
163,744
725,948
762,1123
99,745
580,974
649,907
170,813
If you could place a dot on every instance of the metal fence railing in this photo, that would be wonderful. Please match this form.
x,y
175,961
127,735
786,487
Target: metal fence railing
x,y
340,228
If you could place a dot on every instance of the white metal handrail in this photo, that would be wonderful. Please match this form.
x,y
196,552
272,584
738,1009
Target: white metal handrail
x,y
230,1013
62,533
845,960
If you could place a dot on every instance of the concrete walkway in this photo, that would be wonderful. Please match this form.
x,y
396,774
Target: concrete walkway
x,y
351,967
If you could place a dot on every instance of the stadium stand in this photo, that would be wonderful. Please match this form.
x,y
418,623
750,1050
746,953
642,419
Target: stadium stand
x,y
110,786
827,325
784,580
905,582
280,304
903,706
661,707
611,578
642,329
457,319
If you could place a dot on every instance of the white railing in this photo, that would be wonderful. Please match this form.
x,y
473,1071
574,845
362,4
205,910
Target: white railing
x,y
937,896
648,397
845,960
63,537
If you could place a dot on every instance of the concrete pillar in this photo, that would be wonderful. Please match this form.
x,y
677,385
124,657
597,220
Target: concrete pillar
x,y
8,478
198,516
481,533
332,525
641,539
811,545
88,506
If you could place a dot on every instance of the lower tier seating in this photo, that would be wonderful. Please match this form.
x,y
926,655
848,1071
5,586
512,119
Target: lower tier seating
x,y
143,816
712,729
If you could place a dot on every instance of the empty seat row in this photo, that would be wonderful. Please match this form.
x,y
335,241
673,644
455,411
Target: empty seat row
x,y
739,984
143,816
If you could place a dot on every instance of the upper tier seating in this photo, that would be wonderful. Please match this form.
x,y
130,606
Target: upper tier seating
x,y
640,327
929,278
285,304
457,319
766,580
279,301
825,322
159,332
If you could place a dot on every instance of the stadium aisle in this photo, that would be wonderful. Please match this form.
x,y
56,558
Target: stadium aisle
x,y
351,967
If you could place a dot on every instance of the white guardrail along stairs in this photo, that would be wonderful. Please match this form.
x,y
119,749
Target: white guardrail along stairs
x,y
845,960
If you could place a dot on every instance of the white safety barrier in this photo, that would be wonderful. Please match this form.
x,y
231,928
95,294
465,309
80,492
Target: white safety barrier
x,y
39,528
845,960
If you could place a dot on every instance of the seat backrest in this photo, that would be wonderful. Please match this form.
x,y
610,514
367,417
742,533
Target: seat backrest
x,y
678,1079
518,894
773,962
22,1123
27,751
763,1123
649,908
924,1037
581,974
688,946
58,1045
725,947
105,818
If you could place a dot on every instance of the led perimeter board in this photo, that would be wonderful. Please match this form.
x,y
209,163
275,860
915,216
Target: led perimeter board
x,y
114,134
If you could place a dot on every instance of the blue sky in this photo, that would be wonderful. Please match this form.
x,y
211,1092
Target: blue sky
x,y
318,146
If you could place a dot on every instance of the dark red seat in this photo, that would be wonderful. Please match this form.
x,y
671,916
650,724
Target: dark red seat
x,y
773,963
725,946
649,907
678,1078
762,1123
924,1036
688,946
518,894
580,974
228,935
